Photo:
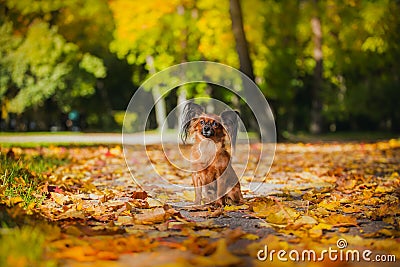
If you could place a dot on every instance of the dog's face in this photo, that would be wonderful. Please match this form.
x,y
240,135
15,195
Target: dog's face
x,y
209,126
196,121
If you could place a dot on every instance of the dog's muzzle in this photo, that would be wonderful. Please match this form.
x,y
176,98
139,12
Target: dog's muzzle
x,y
207,131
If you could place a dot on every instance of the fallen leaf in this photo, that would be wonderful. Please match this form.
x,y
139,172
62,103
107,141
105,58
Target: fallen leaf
x,y
125,220
188,195
14,200
151,216
274,213
139,195
303,221
341,220
60,199
329,204
235,208
250,237
221,257
71,214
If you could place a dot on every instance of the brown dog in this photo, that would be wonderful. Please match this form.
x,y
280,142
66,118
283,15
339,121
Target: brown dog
x,y
210,159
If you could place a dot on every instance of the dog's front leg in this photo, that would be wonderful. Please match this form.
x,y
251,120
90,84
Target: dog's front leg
x,y
197,188
221,189
235,193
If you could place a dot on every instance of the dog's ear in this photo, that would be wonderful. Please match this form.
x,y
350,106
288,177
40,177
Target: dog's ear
x,y
190,112
230,121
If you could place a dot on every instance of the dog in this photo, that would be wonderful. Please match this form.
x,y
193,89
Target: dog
x,y
210,158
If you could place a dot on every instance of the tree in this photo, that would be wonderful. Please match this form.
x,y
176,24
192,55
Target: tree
x,y
242,49
34,67
90,25
360,66
317,87
246,66
154,35
37,63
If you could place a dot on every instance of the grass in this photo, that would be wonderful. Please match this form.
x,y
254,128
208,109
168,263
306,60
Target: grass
x,y
20,178
22,239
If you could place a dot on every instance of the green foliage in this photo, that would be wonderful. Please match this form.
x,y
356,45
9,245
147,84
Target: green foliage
x,y
360,66
129,118
38,63
93,65
360,69
172,33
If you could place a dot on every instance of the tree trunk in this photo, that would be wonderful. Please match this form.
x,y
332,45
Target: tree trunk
x,y
316,101
106,120
182,91
241,43
159,101
247,68
181,99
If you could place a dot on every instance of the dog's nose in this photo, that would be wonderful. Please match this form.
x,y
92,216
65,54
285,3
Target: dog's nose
x,y
206,128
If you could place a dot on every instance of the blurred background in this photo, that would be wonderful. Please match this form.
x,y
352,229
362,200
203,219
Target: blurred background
x,y
324,66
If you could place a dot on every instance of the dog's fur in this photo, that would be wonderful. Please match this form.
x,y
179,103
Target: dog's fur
x,y
210,159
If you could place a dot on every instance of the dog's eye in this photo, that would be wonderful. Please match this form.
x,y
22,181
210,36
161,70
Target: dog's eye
x,y
201,122
215,124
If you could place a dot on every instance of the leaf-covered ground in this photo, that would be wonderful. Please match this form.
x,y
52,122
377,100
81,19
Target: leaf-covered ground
x,y
89,212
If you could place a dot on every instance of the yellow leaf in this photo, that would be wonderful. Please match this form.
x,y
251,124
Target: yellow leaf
x,y
323,226
315,233
329,205
263,206
339,219
188,195
71,214
79,206
282,216
124,220
306,220
235,208
116,151
274,213
389,220
14,200
151,216
383,189
320,211
60,199
221,257
264,224
389,233
30,207
78,253
351,209
250,237
154,202
207,233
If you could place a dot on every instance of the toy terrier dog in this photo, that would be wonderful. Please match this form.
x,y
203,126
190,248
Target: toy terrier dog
x,y
210,160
